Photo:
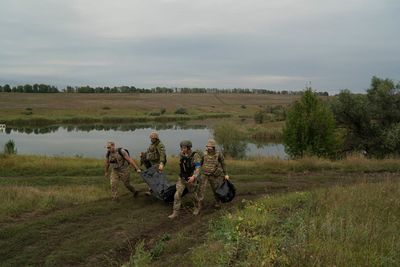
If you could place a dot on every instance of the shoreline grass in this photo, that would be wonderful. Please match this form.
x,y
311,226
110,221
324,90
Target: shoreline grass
x,y
47,121
24,165
340,226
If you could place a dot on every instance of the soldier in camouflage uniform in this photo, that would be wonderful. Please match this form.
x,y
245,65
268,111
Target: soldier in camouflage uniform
x,y
190,163
213,170
155,154
118,160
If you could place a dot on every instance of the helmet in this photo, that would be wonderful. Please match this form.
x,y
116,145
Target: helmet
x,y
186,143
154,135
211,142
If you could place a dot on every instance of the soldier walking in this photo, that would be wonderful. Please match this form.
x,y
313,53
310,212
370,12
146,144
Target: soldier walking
x,y
119,160
155,155
213,170
190,163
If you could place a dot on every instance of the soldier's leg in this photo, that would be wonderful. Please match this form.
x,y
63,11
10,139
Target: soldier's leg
x,y
199,194
215,182
202,187
125,177
114,184
180,187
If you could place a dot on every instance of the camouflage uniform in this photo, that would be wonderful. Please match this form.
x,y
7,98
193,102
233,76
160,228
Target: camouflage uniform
x,y
119,171
187,167
213,170
156,153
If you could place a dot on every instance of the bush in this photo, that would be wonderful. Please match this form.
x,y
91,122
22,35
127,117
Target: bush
x,y
259,117
232,140
163,110
310,128
9,148
181,110
371,121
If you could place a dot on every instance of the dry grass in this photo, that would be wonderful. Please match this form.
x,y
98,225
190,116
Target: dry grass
x,y
17,200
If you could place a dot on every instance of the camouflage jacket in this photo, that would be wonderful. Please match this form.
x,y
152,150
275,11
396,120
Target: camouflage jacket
x,y
156,153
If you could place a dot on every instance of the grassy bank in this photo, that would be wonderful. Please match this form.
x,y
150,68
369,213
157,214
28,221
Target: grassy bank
x,y
33,121
340,226
44,109
20,165
57,212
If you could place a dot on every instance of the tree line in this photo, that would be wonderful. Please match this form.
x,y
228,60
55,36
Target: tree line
x,y
365,123
44,88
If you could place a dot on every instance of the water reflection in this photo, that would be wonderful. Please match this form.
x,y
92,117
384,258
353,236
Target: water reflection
x,y
88,128
88,140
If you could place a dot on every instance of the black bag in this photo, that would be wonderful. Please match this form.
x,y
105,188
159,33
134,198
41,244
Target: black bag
x,y
160,187
226,191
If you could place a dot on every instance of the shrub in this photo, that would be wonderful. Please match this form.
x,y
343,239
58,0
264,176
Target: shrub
x,y
181,110
310,128
9,148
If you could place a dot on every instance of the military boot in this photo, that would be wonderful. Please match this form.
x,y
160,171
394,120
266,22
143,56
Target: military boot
x,y
217,205
173,215
196,210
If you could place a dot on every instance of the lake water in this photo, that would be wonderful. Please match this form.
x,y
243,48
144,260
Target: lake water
x,y
89,141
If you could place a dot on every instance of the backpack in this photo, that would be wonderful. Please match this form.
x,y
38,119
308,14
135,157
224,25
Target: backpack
x,y
119,152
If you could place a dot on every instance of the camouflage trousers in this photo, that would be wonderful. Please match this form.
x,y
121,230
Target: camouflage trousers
x,y
120,175
180,187
215,182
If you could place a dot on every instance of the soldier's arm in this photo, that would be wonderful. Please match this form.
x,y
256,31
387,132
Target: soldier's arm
x,y
198,161
161,152
197,165
106,167
222,162
131,161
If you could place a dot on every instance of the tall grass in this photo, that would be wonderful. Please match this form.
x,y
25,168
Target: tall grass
x,y
44,120
341,226
9,148
16,200
22,165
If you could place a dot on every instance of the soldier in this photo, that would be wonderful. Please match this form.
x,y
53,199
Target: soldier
x,y
155,155
213,170
190,163
119,160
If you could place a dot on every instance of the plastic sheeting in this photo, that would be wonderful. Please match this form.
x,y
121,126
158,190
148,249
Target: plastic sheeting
x,y
226,191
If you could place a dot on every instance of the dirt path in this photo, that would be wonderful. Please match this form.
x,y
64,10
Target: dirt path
x,y
104,233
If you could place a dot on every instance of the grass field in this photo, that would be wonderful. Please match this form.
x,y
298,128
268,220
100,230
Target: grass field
x,y
45,109
58,212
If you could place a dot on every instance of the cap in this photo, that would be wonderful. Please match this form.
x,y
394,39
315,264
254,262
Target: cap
x,y
154,135
186,143
109,143
211,143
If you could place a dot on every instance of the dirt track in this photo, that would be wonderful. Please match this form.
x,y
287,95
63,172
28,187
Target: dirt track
x,y
104,233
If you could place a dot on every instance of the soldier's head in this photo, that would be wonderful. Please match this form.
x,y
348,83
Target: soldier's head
x,y
210,146
110,146
186,146
153,137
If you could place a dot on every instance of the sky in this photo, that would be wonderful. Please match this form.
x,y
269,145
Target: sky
x,y
269,44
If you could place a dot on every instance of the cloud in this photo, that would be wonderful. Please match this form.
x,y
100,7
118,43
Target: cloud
x,y
226,43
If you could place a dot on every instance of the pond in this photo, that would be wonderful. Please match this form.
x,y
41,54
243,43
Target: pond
x,y
89,140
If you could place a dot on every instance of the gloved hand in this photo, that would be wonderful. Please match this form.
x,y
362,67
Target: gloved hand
x,y
226,177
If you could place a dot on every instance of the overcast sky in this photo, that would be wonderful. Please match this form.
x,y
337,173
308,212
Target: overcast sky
x,y
271,44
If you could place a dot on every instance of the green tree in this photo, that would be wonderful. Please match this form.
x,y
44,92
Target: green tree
x,y
372,121
310,128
